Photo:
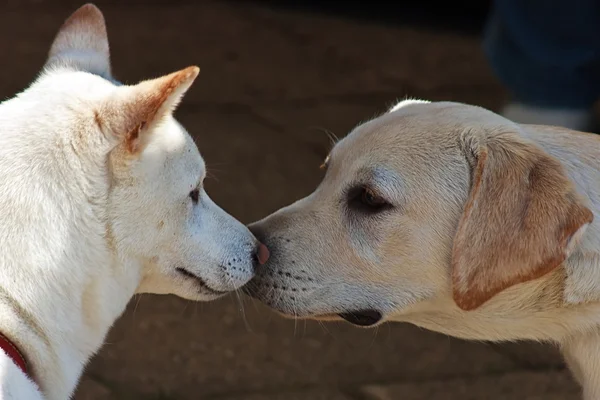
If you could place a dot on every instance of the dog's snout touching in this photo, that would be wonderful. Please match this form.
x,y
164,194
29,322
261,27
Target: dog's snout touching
x,y
262,254
258,233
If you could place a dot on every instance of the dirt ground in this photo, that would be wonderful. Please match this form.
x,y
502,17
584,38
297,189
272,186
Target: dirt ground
x,y
271,82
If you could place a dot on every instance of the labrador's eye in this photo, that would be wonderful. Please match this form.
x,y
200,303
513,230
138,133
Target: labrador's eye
x,y
364,199
370,199
195,195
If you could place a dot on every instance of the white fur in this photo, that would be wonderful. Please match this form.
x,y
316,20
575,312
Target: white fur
x,y
85,223
407,102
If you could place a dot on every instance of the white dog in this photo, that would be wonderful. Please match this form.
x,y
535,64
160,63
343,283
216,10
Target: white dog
x,y
101,198
455,219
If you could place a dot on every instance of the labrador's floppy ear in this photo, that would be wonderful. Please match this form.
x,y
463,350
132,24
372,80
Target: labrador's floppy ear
x,y
522,218
82,43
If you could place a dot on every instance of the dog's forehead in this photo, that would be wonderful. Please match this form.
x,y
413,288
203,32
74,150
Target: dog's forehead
x,y
414,132
179,149
64,85
192,160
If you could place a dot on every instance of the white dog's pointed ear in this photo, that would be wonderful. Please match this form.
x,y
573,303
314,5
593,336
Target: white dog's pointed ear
x,y
82,43
133,111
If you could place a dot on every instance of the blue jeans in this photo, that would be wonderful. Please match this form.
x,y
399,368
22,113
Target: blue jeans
x,y
546,52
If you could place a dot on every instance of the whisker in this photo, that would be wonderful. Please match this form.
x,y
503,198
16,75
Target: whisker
x,y
137,303
252,299
325,329
241,304
305,323
211,165
295,309
210,175
332,136
243,311
185,306
374,337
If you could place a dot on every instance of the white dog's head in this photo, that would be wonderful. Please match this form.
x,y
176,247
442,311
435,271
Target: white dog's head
x,y
126,139
439,202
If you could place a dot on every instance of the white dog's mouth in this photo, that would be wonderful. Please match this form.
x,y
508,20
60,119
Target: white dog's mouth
x,y
201,283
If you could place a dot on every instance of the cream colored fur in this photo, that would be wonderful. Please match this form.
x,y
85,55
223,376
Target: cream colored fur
x,y
102,198
470,225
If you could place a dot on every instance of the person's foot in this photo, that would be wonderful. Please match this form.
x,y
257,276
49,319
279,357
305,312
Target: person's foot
x,y
576,119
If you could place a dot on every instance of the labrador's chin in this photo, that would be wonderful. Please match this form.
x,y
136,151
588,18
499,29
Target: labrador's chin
x,y
315,317
326,317
363,318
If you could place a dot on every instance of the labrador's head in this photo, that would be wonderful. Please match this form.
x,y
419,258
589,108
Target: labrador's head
x,y
430,200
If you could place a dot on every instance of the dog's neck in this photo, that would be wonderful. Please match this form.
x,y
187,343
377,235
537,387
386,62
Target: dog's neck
x,y
549,308
13,352
59,335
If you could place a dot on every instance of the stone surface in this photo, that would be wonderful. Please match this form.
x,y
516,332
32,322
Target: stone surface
x,y
90,389
514,386
272,83
182,349
316,394
531,355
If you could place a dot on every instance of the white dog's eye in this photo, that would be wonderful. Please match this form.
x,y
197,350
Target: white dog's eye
x,y
195,195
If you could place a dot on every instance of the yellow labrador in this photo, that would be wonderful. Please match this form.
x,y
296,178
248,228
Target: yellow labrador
x,y
452,218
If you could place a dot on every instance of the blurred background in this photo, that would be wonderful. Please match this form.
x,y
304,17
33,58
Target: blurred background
x,y
274,76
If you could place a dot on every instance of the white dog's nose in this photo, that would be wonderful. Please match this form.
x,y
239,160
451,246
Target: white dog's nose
x,y
262,254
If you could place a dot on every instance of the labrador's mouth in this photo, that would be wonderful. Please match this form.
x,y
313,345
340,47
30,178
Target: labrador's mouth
x,y
201,283
362,317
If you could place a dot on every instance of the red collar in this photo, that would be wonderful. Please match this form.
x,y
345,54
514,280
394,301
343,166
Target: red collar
x,y
13,352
